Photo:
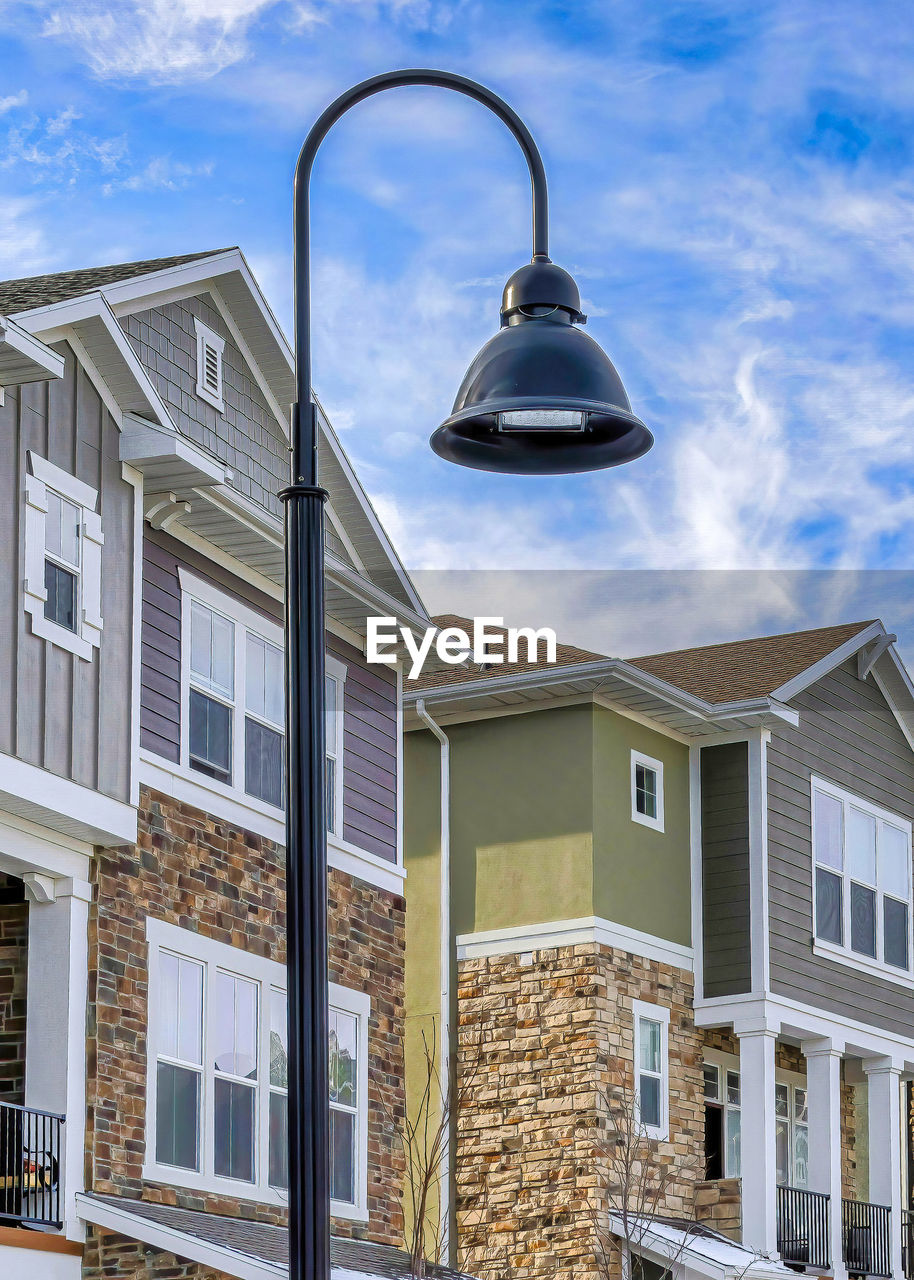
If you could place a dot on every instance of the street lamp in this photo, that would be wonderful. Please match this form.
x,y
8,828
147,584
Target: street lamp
x,y
540,398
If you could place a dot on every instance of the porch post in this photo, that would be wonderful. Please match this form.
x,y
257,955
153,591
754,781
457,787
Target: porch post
x,y
55,1035
823,1095
759,1163
884,1106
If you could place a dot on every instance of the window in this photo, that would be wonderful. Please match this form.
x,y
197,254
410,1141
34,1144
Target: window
x,y
210,349
647,791
862,857
791,1120
652,1067
217,1080
722,1120
63,558
336,674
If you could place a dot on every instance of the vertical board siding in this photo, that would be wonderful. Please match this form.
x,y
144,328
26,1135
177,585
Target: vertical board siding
x,y
725,868
848,735
52,714
246,437
369,700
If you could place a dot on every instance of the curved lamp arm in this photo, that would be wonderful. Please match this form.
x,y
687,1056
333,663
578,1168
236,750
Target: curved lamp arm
x,y
304,437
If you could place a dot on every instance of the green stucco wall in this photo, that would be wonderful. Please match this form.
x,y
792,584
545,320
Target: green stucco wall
x,y
642,877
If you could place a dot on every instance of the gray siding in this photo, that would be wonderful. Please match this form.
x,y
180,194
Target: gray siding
x,y
369,705
725,868
52,713
848,735
246,437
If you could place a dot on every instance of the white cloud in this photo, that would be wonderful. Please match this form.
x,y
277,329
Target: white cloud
x,y
161,173
13,100
24,248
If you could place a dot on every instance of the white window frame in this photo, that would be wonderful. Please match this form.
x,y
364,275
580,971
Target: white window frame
x,y
206,338
792,1081
45,476
336,671
642,1011
724,1062
164,936
245,620
843,954
648,762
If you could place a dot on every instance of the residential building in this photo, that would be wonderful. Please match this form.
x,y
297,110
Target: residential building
x,y
683,880
143,444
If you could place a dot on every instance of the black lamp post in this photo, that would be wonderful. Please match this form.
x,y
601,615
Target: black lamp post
x,y
540,398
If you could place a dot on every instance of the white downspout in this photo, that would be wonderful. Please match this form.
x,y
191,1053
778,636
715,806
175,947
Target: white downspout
x,y
444,963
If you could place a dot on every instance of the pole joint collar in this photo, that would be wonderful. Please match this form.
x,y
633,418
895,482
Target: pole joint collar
x,y
303,491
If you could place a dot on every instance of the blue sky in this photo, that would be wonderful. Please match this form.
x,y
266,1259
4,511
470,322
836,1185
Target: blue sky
x,y
731,183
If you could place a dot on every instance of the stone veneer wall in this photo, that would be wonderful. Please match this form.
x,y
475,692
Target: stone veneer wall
x,y
545,1040
14,949
201,873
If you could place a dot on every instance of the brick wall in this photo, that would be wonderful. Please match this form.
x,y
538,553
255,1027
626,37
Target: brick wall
x,y
546,1050
199,872
14,945
112,1257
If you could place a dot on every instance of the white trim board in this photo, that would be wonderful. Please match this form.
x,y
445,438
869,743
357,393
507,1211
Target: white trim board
x,y
572,933
64,806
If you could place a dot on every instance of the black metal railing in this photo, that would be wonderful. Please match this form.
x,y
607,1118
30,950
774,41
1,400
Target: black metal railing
x,y
907,1243
867,1233
29,1165
803,1227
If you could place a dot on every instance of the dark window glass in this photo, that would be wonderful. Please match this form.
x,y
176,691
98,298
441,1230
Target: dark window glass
x,y
863,920
649,1098
895,921
342,1156
234,1130
646,791
262,762
177,1116
714,1142
210,737
60,606
279,1167
828,907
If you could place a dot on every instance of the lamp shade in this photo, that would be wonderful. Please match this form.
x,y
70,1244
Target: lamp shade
x,y
541,397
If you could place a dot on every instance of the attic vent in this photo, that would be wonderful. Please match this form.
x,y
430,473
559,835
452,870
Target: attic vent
x,y
209,365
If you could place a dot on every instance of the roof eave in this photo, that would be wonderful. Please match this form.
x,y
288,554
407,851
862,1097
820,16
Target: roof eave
x,y
25,358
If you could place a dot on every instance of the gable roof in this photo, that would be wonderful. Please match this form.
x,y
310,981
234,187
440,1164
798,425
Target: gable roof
x,y
747,668
61,286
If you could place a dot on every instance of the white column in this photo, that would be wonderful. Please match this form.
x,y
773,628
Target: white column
x,y
823,1097
759,1154
55,1046
884,1098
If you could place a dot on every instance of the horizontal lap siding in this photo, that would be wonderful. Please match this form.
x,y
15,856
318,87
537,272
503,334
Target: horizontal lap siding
x,y
848,735
369,701
725,868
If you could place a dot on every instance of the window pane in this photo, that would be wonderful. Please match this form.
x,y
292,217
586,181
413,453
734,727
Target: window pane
x,y
52,524
332,690
863,920
801,1156
829,925
274,685
646,791
210,737
649,1034
895,924
278,1040
180,1007
212,648
223,654
331,793
782,1147
234,1130
177,1116
712,1081
343,1058
254,675
733,1088
69,532
828,812
649,1100
234,1026
60,605
734,1154
263,762
861,846
201,641
894,861
279,1140
800,1110
781,1100
342,1156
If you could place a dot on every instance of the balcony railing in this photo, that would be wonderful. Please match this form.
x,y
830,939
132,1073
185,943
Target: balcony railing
x,y
29,1165
803,1227
907,1243
866,1229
